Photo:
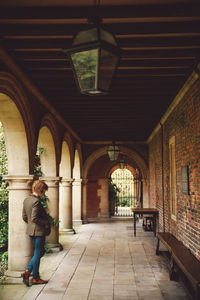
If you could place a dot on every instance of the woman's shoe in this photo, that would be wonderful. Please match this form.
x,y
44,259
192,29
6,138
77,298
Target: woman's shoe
x,y
39,281
25,277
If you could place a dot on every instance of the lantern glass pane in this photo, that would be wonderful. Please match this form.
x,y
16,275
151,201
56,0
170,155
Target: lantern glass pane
x,y
108,37
85,66
113,152
108,63
86,36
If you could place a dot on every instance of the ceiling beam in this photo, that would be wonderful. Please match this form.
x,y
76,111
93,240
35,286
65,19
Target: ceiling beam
x,y
173,11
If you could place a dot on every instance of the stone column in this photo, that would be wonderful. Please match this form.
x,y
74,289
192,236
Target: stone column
x,y
77,201
53,209
84,215
65,206
19,243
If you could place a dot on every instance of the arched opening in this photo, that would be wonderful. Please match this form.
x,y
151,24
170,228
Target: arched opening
x,y
65,164
15,137
97,170
65,188
76,192
48,157
76,169
127,191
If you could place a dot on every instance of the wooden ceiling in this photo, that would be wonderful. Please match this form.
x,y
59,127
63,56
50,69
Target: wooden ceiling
x,y
160,42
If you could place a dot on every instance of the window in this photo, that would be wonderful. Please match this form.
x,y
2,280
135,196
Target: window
x,y
172,163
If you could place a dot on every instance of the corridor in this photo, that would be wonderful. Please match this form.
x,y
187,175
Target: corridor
x,y
103,261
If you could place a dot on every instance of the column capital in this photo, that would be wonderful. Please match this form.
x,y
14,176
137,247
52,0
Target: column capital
x,y
51,181
63,179
66,181
77,182
19,181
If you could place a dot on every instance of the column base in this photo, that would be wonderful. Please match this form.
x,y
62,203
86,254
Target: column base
x,y
77,222
85,221
12,277
53,247
64,231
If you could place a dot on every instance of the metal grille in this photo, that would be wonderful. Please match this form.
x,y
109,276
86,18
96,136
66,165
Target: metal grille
x,y
124,180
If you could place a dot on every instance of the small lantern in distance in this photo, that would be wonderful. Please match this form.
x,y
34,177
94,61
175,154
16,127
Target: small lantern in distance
x,y
122,164
94,56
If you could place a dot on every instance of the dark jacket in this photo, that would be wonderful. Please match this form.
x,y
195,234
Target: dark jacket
x,y
35,216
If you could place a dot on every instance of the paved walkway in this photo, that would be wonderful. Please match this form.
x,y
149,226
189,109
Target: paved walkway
x,y
103,261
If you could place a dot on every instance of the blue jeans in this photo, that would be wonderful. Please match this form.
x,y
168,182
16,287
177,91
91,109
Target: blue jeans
x,y
39,251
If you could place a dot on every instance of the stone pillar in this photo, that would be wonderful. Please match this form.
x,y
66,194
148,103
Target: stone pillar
x,y
53,208
84,215
65,206
77,201
19,243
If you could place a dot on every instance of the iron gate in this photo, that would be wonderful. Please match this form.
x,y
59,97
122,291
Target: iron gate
x,y
126,197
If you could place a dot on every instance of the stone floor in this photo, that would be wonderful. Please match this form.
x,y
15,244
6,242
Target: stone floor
x,y
103,261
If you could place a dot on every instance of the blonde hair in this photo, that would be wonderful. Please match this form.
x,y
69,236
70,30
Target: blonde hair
x,y
39,186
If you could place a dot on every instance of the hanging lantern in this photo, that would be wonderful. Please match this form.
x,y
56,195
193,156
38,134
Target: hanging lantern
x,y
122,164
113,152
94,56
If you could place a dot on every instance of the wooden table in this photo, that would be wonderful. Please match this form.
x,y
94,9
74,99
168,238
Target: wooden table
x,y
145,211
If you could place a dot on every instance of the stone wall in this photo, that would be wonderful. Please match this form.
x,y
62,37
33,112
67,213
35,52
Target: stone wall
x,y
184,124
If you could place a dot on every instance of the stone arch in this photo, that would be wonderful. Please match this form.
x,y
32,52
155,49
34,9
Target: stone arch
x,y
126,151
18,125
114,166
77,170
135,157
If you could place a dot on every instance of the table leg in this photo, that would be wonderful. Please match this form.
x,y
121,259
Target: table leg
x,y
134,223
154,224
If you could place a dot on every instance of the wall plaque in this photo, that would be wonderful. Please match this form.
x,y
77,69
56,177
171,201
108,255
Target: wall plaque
x,y
185,180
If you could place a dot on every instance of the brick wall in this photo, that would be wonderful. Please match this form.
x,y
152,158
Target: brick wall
x,y
184,124
93,199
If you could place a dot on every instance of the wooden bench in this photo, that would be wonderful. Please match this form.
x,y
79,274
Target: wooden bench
x,y
181,258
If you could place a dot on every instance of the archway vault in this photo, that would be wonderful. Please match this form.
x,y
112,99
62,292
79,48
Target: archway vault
x,y
123,150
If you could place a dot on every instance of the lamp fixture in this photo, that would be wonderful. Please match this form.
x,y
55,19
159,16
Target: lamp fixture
x,y
122,163
94,56
113,152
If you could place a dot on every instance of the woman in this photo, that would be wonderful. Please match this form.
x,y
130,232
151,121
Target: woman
x,y
37,223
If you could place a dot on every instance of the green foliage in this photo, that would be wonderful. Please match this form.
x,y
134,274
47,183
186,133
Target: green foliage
x,y
38,171
3,205
3,264
44,199
3,193
113,190
85,64
37,168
